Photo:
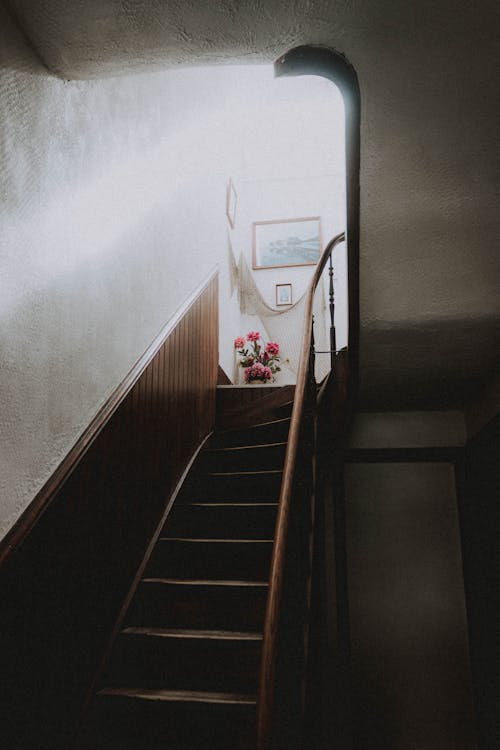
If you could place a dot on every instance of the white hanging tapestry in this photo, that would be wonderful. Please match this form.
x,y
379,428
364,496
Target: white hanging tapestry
x,y
286,326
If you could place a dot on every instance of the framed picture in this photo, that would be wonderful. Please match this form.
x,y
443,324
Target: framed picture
x,y
231,200
287,242
283,294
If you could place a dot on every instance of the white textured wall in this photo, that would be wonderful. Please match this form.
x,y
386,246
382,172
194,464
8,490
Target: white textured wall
x,y
428,72
112,211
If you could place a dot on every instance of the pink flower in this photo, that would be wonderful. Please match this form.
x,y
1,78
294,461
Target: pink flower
x,y
253,336
239,342
257,371
272,349
254,371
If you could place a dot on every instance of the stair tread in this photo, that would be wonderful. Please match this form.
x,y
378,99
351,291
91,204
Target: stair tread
x,y
247,501
230,505
243,473
230,448
229,635
204,582
252,426
210,540
187,696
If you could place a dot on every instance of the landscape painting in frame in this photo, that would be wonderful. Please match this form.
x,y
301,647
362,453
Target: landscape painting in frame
x,y
288,242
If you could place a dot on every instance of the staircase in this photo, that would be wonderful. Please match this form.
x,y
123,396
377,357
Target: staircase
x,y
184,669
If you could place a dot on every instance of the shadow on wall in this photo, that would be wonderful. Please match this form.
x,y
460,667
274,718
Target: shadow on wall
x,y
432,372
18,53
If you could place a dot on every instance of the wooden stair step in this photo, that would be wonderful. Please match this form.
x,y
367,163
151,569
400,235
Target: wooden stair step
x,y
272,431
285,410
183,696
257,457
233,499
131,718
223,520
239,406
229,635
202,604
186,659
234,485
243,559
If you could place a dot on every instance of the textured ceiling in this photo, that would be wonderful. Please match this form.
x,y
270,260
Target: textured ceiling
x,y
430,167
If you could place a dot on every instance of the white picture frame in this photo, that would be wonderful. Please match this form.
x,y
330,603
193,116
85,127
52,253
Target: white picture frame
x,y
283,295
287,242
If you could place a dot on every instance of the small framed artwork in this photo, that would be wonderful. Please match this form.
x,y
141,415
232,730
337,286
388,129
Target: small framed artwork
x,y
231,200
283,294
287,242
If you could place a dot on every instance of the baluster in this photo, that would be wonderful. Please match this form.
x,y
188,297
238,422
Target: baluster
x,y
333,343
312,362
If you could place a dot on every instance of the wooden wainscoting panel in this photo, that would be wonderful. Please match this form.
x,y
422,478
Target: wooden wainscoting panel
x,y
65,578
239,405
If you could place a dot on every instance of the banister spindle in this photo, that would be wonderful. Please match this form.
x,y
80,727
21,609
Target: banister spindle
x,y
333,342
312,357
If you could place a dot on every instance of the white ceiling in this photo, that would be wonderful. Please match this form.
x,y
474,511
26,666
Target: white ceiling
x,y
430,145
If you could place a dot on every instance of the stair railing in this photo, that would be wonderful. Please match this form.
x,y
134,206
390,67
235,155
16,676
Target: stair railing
x,y
282,689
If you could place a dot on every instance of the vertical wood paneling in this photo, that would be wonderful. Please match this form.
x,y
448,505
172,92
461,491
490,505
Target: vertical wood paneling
x,y
63,586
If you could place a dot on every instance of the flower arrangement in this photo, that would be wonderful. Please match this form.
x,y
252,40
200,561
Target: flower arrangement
x,y
260,362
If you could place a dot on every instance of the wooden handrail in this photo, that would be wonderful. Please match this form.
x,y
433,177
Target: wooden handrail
x,y
271,638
